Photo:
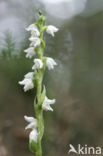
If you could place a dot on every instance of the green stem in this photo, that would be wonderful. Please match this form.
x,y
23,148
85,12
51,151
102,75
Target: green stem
x,y
39,116
41,131
38,107
39,112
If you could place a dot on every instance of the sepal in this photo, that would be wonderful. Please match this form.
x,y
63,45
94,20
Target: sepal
x,y
43,43
33,146
35,75
43,94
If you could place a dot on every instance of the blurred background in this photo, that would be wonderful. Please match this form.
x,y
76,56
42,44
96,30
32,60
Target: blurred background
x,y
76,83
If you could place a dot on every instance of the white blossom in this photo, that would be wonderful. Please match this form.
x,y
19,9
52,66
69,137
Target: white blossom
x,y
34,30
46,104
32,125
35,41
30,27
35,33
32,122
30,52
51,30
33,135
28,84
38,64
50,63
29,75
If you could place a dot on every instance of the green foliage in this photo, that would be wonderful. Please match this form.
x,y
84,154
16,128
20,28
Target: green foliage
x,y
9,45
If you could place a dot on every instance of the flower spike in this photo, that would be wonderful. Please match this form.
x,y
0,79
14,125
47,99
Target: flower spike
x,y
35,78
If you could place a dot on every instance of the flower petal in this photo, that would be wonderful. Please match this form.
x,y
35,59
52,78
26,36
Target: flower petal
x,y
33,135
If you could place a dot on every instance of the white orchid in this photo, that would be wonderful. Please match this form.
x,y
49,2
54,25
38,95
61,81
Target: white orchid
x,y
51,30
32,122
50,63
30,27
32,125
28,84
35,33
37,46
33,135
38,64
35,41
46,104
30,52
34,30
29,75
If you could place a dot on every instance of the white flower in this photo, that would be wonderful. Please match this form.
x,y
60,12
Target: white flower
x,y
38,64
30,52
51,30
30,27
34,30
35,33
28,84
50,63
33,125
46,104
29,75
33,135
32,122
35,41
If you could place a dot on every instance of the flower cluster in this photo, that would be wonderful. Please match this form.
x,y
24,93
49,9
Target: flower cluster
x,y
30,52
31,79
